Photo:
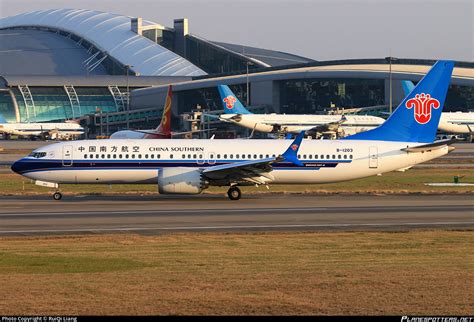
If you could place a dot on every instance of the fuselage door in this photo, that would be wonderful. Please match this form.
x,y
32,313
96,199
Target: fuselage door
x,y
373,157
67,155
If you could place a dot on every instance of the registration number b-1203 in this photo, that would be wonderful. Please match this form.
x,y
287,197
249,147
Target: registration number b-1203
x,y
345,150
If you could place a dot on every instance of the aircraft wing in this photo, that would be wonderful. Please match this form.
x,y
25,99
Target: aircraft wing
x,y
211,116
330,126
303,127
320,128
193,131
153,132
243,171
17,132
254,171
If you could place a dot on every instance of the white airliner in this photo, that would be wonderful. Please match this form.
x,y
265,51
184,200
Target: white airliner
x,y
53,131
457,122
190,166
314,125
451,122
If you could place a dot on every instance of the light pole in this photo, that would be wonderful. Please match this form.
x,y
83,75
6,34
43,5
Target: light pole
x,y
98,110
107,124
248,93
389,59
128,97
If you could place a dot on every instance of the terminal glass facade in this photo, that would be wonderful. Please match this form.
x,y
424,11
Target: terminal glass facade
x,y
53,104
459,98
95,99
316,96
7,109
50,103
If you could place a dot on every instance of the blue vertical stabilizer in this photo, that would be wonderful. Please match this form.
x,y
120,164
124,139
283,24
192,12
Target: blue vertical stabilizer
x,y
417,117
230,102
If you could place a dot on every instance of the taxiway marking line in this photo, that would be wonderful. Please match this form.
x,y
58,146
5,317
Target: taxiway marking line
x,y
237,227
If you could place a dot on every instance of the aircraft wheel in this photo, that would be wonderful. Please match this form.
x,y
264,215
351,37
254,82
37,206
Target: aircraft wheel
x,y
234,193
57,195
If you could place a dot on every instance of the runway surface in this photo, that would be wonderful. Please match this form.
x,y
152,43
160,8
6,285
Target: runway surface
x,y
162,214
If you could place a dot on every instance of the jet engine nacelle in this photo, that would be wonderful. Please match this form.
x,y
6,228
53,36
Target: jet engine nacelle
x,y
181,180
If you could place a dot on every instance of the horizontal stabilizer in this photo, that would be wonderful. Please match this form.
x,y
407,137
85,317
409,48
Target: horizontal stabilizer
x,y
404,169
432,146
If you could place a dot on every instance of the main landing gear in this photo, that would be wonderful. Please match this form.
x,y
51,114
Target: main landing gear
x,y
57,195
234,193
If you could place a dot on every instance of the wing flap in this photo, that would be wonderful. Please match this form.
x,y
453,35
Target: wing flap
x,y
243,169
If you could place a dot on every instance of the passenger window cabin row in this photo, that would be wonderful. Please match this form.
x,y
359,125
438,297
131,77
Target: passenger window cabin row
x,y
121,156
217,157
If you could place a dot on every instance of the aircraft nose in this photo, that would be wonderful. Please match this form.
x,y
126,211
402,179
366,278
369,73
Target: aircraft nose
x,y
17,166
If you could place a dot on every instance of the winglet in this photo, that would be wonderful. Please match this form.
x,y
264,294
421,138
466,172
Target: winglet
x,y
291,154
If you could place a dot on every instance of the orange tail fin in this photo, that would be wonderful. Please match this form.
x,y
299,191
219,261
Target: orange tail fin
x,y
165,124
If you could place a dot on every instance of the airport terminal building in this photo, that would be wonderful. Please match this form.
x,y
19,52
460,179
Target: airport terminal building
x,y
81,64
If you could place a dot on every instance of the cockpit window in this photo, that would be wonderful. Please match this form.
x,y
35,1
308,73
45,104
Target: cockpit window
x,y
37,155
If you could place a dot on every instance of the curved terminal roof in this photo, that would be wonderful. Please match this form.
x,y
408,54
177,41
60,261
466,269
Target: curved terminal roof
x,y
111,33
38,52
269,57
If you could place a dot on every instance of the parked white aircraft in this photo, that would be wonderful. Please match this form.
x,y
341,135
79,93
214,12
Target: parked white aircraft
x,y
457,122
190,166
59,131
314,125
451,122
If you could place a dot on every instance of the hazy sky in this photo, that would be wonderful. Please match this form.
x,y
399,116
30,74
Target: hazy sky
x,y
319,29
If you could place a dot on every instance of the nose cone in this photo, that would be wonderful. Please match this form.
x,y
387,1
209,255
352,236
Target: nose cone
x,y
17,166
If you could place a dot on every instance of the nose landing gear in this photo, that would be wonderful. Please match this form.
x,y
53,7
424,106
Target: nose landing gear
x,y
57,195
234,193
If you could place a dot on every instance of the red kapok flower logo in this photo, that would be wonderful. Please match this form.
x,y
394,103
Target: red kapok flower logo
x,y
230,101
422,104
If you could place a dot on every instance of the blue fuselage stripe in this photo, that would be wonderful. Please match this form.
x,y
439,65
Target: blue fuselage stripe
x,y
31,165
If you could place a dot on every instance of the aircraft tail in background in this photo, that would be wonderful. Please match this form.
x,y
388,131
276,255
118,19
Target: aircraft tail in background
x,y
230,102
408,86
164,128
